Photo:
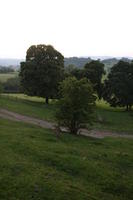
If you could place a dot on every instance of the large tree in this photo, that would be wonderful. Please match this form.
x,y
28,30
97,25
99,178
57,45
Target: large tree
x,y
77,104
43,70
118,88
94,71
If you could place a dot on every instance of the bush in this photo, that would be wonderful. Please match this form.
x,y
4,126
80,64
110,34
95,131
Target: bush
x,y
77,104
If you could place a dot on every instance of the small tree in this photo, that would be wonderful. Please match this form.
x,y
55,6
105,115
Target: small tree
x,y
77,104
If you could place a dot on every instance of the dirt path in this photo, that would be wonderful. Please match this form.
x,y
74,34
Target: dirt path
x,y
45,124
22,118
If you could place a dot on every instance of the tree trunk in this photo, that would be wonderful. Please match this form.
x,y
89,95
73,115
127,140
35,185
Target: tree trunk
x,y
47,100
73,131
130,107
126,107
73,128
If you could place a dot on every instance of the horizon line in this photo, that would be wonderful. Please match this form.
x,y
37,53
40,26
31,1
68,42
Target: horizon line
x,y
118,57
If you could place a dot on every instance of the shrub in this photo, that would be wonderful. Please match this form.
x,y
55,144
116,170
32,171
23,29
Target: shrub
x,y
76,106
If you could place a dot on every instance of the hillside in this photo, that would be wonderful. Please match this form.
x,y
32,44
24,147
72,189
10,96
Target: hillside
x,y
106,118
37,165
76,61
14,63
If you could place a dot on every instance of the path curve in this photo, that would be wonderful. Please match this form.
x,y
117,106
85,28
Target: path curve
x,y
45,124
23,118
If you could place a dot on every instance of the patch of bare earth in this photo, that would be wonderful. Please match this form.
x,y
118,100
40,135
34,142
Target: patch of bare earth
x,y
45,124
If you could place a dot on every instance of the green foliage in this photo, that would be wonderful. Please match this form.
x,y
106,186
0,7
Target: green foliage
x,y
74,72
76,105
94,71
76,61
118,89
42,71
78,73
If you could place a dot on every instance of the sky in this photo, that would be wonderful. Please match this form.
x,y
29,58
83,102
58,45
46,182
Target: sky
x,y
73,27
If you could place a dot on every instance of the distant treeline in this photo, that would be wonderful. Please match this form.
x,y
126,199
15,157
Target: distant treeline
x,y
80,62
12,85
76,61
6,69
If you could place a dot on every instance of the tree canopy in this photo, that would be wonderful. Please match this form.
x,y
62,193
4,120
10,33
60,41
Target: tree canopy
x,y
43,70
74,71
94,71
77,104
118,88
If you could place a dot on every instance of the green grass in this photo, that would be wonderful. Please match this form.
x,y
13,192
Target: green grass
x,y
5,77
31,106
35,165
113,119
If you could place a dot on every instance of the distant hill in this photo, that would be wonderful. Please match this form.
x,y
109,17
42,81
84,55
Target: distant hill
x,y
80,62
76,61
8,62
108,63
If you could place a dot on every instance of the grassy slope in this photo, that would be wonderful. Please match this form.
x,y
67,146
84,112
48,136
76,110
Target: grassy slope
x,y
36,165
114,119
111,119
31,106
5,77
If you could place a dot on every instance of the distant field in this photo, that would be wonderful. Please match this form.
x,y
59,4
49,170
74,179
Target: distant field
x,y
107,118
5,77
24,97
35,165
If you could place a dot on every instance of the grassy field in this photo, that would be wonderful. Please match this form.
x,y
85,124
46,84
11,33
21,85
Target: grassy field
x,y
113,119
34,164
5,77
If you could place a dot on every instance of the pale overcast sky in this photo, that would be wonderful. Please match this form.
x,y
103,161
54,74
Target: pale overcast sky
x,y
74,27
